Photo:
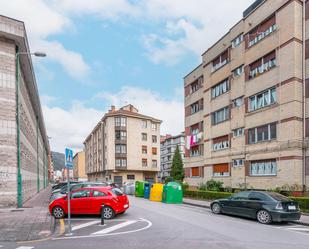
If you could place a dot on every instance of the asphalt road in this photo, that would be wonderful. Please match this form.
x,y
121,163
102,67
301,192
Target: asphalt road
x,y
151,225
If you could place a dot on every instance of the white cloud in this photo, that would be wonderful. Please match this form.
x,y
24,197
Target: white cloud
x,y
170,111
69,128
47,100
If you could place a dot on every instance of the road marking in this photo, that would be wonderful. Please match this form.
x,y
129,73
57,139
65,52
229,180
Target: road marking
x,y
116,227
298,228
25,247
74,228
149,224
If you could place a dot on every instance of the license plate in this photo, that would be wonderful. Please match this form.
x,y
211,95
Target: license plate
x,y
125,206
291,208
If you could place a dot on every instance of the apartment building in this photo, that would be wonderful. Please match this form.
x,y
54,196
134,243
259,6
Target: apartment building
x,y
79,169
124,146
247,99
168,146
24,147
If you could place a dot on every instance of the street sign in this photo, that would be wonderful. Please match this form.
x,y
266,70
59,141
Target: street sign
x,y
69,165
68,158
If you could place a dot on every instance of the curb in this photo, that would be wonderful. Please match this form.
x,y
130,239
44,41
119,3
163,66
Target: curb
x,y
208,207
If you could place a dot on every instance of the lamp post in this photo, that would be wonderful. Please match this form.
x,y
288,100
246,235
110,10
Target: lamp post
x,y
19,176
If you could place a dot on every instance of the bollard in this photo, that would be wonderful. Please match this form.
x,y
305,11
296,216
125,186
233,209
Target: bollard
x,y
102,215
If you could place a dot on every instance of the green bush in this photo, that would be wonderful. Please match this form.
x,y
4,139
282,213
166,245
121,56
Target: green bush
x,y
302,201
211,185
206,195
168,179
185,186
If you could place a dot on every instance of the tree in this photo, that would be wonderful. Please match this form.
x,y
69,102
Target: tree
x,y
177,171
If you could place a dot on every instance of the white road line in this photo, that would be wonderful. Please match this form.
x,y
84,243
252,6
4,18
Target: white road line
x,y
74,228
25,247
299,229
116,227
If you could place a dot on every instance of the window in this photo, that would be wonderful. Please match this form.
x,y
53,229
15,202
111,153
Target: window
x,y
154,151
144,149
238,132
195,151
262,65
221,169
262,133
121,162
220,61
81,194
238,71
120,121
154,163
263,168
154,126
220,115
261,31
195,107
220,143
97,193
144,162
241,196
121,149
262,99
130,177
221,88
238,102
117,191
121,135
256,196
195,172
144,124
238,162
154,139
239,39
144,136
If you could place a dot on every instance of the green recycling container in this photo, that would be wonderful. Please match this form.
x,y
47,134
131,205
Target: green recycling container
x,y
139,188
172,193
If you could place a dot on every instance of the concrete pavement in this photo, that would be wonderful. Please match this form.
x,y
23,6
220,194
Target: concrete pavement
x,y
31,222
176,226
304,220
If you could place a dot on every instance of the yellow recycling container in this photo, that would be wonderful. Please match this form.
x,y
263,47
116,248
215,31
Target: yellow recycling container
x,y
156,192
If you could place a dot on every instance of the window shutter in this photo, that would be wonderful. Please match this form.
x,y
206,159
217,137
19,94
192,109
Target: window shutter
x,y
247,71
247,168
220,168
202,171
246,137
187,90
246,104
266,24
201,104
195,171
307,127
187,172
187,111
307,82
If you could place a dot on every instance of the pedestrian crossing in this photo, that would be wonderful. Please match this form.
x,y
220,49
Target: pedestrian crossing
x,y
295,228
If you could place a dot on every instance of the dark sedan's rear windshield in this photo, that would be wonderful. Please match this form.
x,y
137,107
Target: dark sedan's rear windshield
x,y
117,191
279,197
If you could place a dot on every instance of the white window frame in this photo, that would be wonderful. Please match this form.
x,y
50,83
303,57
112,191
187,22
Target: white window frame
x,y
223,145
237,41
238,102
154,126
220,174
263,168
221,88
238,71
238,132
268,97
221,115
238,162
262,35
144,124
269,138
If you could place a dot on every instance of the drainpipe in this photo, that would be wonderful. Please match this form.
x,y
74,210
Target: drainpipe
x,y
19,177
37,154
304,95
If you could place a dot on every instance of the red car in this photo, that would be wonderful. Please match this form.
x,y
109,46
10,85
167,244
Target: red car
x,y
89,201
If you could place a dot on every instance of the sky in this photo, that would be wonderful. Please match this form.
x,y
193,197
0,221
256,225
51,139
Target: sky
x,y
115,52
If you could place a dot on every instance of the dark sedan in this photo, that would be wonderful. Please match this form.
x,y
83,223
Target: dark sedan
x,y
261,205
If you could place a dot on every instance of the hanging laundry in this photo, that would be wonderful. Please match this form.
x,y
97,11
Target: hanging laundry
x,y
188,140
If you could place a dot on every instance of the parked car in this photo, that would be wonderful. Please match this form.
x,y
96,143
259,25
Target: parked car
x,y
64,190
261,205
89,200
62,184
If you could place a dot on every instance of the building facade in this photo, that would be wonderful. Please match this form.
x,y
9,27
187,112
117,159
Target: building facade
x,y
24,147
79,169
168,146
249,98
124,146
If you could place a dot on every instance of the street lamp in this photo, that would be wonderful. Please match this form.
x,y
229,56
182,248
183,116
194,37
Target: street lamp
x,y
19,176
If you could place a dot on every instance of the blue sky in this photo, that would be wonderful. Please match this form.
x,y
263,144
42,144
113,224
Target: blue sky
x,y
113,52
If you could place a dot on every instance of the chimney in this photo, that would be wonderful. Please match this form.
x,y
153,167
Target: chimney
x,y
113,108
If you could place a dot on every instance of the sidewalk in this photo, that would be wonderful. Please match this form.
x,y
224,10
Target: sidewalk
x,y
31,222
304,220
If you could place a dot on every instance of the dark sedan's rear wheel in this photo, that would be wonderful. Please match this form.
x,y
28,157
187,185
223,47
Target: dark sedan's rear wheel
x,y
108,213
263,217
216,208
58,212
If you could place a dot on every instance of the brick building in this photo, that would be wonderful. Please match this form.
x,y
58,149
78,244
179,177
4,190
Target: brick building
x,y
32,156
124,146
246,97
79,169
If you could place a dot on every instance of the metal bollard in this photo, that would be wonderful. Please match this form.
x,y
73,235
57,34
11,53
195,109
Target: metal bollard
x,y
102,215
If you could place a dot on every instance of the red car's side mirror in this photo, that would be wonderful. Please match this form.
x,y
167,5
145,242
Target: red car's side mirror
x,y
65,197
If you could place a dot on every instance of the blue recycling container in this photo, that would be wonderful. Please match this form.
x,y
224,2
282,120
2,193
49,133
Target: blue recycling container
x,y
147,188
